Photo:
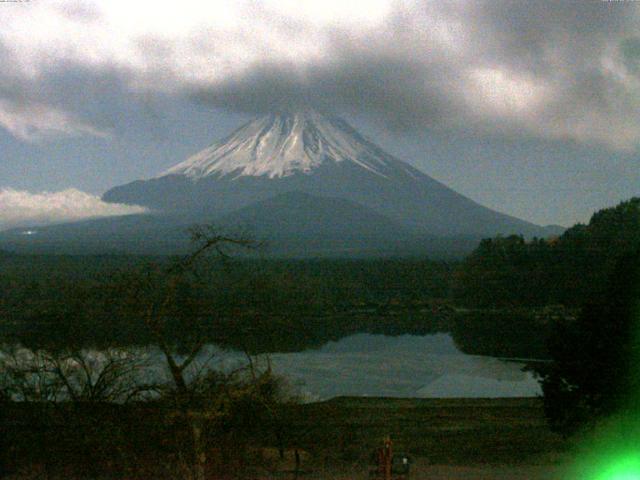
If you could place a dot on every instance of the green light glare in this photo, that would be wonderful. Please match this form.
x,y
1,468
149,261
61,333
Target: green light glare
x,y
612,449
610,452
625,468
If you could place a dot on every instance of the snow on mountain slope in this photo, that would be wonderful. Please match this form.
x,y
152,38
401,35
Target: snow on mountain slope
x,y
279,145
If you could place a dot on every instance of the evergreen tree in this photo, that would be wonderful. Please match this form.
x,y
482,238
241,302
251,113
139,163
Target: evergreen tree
x,y
595,370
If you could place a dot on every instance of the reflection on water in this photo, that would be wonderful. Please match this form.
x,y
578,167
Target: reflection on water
x,y
364,364
403,366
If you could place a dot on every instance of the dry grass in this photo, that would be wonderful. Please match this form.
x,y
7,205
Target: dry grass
x,y
443,431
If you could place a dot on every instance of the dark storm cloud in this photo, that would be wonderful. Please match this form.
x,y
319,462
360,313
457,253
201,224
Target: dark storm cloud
x,y
355,83
95,101
567,70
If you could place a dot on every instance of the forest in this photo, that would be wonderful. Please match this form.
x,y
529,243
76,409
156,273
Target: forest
x,y
506,286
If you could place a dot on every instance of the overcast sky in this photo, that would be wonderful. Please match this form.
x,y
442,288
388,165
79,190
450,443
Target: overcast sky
x,y
529,107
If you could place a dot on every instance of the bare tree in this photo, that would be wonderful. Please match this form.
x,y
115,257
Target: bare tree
x,y
28,376
71,375
71,391
168,304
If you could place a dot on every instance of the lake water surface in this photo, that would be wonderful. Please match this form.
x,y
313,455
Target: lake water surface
x,y
429,366
410,366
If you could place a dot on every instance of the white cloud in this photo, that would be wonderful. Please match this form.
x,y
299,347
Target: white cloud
x,y
508,93
21,208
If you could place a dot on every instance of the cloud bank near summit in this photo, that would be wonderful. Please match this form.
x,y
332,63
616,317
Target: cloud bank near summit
x,y
557,70
24,209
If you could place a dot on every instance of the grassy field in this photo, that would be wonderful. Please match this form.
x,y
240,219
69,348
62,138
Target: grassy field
x,y
448,438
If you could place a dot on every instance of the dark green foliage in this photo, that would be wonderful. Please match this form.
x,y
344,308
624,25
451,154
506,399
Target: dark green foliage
x,y
590,267
136,441
257,305
512,333
594,372
507,272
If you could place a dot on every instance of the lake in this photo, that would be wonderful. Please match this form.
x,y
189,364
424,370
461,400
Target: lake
x,y
426,366
375,365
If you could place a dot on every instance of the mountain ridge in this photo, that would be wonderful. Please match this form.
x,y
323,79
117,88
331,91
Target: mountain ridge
x,y
318,155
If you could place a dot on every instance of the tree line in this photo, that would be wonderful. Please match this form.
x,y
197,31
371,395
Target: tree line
x,y
593,269
567,270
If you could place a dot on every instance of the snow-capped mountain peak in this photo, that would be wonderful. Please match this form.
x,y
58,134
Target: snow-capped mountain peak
x,y
281,144
313,174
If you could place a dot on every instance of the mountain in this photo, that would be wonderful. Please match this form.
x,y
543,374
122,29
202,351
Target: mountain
x,y
306,183
292,224
296,223
318,155
135,234
298,214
